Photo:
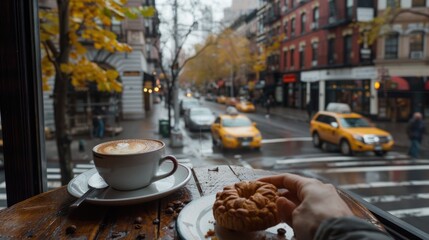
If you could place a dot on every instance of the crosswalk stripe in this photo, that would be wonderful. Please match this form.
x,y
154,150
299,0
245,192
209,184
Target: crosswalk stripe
x,y
279,140
414,212
317,159
384,184
372,169
395,198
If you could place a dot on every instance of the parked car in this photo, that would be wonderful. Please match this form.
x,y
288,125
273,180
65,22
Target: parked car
x,y
187,103
221,99
233,130
199,118
350,131
245,106
231,101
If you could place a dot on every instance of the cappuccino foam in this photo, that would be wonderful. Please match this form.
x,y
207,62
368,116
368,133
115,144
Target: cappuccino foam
x,y
128,147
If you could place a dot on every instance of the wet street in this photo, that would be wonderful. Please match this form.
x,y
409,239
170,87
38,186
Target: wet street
x,y
393,183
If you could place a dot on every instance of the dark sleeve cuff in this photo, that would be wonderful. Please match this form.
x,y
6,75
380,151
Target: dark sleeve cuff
x,y
350,228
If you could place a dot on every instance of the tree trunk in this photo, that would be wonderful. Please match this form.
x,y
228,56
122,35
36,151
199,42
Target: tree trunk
x,y
62,133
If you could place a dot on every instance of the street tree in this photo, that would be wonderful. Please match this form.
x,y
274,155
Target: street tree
x,y
224,55
370,31
67,33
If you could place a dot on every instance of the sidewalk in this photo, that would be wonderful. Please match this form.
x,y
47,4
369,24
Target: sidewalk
x,y
396,129
142,126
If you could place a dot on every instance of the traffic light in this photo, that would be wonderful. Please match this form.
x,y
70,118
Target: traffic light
x,y
377,85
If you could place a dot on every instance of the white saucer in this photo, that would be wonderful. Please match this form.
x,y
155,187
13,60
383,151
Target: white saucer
x,y
196,219
161,188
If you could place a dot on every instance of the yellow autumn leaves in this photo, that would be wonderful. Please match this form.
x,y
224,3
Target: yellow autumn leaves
x,y
89,23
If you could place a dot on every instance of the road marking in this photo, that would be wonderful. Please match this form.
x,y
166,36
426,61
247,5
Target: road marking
x,y
279,140
413,212
354,163
384,184
371,169
318,159
393,198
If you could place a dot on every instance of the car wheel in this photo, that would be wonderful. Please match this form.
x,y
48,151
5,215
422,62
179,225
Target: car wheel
x,y
316,140
345,148
380,153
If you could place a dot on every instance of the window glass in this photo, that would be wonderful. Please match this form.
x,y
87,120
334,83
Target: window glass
x,y
347,49
316,17
354,122
292,27
292,53
236,122
302,57
416,42
391,46
331,50
303,21
314,55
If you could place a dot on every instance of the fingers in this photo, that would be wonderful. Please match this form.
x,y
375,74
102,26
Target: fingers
x,y
285,208
291,182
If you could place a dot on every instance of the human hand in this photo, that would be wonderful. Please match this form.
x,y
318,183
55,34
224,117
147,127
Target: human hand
x,y
307,203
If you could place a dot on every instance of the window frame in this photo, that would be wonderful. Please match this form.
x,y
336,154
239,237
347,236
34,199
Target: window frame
x,y
303,22
418,3
389,45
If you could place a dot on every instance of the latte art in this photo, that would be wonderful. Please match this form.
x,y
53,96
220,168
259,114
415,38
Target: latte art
x,y
128,147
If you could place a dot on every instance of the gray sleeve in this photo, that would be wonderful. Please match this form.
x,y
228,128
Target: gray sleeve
x,y
349,228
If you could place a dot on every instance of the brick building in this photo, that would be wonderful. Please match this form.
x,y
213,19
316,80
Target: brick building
x,y
320,59
402,61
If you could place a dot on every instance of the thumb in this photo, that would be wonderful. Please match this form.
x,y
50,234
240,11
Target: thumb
x,y
285,208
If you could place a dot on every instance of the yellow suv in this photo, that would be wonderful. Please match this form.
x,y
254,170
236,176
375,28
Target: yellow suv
x,y
235,130
350,131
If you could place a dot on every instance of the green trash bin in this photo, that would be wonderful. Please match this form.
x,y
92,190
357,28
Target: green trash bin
x,y
163,128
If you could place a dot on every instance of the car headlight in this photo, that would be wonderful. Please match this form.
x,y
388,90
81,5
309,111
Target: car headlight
x,y
258,135
389,138
358,137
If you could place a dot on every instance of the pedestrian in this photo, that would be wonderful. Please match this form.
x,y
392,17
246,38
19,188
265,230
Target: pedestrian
x,y
268,102
314,210
98,122
415,130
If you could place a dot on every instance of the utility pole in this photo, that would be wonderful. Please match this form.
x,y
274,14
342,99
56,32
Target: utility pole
x,y
176,135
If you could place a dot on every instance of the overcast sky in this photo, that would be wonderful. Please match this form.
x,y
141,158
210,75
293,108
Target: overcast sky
x,y
186,16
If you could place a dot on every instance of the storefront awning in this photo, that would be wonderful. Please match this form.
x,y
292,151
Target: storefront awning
x,y
289,78
401,83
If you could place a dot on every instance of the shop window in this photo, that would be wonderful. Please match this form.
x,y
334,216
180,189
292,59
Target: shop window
x,y
416,45
315,23
314,54
391,46
292,27
331,49
347,49
419,3
303,21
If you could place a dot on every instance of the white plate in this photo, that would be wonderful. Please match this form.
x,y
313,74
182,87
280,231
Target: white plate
x,y
161,188
196,219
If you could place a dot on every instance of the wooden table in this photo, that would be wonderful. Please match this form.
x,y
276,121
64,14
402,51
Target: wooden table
x,y
48,216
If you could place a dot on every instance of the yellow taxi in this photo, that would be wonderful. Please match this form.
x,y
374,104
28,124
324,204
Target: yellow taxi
x,y
233,130
221,99
350,131
245,106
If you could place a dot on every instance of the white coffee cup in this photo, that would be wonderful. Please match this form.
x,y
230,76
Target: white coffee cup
x,y
131,163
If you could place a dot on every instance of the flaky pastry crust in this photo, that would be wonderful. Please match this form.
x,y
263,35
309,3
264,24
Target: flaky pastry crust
x,y
247,206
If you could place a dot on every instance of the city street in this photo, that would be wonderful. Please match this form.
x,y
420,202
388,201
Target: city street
x,y
393,183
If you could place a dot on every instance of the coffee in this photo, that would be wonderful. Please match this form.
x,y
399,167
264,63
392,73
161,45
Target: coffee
x,y
129,146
